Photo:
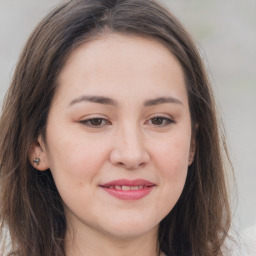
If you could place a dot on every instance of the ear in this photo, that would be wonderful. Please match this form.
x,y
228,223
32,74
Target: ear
x,y
192,147
38,155
192,152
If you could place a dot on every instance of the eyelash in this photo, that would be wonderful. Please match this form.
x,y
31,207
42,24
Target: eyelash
x,y
164,121
89,122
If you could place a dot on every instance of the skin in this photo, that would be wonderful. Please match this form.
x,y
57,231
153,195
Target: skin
x,y
91,143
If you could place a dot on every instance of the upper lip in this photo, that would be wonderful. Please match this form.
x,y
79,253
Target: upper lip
x,y
131,183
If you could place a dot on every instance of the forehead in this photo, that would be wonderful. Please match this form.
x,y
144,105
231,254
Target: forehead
x,y
114,62
116,46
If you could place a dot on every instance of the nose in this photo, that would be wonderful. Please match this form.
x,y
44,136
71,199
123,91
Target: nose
x,y
129,149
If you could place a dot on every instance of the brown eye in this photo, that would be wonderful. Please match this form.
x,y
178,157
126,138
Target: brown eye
x,y
160,121
95,122
157,120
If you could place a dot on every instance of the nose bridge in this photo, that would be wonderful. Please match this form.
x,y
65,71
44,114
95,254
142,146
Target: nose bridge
x,y
131,139
129,147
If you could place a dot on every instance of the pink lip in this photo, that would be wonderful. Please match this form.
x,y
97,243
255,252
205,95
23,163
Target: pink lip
x,y
128,194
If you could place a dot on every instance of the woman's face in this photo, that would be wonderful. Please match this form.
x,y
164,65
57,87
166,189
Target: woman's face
x,y
118,136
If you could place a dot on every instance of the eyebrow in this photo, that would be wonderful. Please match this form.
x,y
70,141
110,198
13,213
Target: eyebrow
x,y
108,101
161,100
94,99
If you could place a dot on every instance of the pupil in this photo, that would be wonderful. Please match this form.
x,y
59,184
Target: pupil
x,y
157,120
96,121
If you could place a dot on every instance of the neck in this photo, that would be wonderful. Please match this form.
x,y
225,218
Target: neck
x,y
93,243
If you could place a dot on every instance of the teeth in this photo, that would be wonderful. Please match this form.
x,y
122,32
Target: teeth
x,y
117,187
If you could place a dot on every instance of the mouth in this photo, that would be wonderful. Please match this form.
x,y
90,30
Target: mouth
x,y
128,189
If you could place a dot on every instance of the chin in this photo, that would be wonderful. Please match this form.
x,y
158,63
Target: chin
x,y
131,229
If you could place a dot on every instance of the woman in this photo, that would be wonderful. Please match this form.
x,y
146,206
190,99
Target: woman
x,y
109,139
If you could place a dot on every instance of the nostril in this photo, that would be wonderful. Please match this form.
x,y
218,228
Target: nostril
x,y
131,166
130,159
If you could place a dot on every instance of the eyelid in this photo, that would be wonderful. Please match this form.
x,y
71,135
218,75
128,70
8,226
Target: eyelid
x,y
86,121
170,120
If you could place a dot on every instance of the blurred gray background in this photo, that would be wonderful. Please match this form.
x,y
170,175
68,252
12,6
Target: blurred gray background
x,y
225,32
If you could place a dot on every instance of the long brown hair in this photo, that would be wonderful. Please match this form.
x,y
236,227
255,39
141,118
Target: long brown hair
x,y
31,208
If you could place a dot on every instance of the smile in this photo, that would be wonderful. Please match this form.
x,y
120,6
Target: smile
x,y
128,189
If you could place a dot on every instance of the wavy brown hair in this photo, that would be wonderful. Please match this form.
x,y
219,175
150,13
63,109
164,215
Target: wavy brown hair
x,y
31,208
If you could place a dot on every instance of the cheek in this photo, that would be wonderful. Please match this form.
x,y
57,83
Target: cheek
x,y
74,158
172,156
74,166
171,161
173,176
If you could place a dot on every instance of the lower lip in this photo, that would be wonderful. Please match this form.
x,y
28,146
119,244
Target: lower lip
x,y
129,194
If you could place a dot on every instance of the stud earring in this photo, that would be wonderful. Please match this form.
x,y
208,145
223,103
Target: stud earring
x,y
36,161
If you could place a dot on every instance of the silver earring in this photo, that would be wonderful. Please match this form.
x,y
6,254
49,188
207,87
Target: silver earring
x,y
36,161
